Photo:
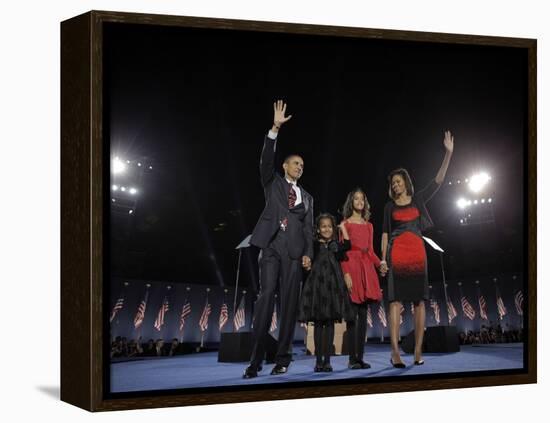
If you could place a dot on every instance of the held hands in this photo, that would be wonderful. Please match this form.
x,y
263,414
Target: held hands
x,y
279,109
383,268
448,141
306,263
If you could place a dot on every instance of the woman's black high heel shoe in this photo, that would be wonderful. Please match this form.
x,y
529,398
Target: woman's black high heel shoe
x,y
418,362
397,365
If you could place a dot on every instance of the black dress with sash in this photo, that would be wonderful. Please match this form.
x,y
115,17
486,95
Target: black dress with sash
x,y
406,254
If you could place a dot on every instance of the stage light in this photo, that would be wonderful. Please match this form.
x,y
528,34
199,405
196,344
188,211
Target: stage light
x,y
123,189
139,164
115,187
483,200
150,167
114,200
458,182
117,166
130,212
469,203
450,183
466,180
490,200
475,201
461,220
128,161
478,181
133,191
462,203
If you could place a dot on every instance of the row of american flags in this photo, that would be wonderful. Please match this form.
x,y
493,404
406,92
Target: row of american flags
x,y
471,311
239,319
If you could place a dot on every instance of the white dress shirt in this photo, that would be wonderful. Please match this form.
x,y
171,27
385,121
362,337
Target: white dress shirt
x,y
273,136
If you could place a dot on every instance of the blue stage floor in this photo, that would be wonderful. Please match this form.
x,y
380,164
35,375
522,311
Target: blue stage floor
x,y
204,370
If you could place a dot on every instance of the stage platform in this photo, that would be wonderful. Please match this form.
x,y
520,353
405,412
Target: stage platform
x,y
201,370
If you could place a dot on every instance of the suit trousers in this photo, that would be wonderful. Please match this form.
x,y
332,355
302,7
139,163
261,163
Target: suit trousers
x,y
276,267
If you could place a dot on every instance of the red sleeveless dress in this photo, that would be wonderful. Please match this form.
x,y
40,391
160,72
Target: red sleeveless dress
x,y
361,264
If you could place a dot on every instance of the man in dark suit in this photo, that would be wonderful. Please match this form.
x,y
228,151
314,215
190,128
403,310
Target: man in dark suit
x,y
284,233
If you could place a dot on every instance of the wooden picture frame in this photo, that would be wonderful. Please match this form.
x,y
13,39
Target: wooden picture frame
x,y
85,173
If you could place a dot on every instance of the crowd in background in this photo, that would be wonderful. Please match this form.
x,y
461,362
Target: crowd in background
x,y
491,334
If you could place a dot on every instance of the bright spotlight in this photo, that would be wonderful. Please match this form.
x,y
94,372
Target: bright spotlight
x,y
114,201
133,191
490,200
123,189
117,166
469,203
462,203
475,201
483,200
478,181
139,164
115,187
458,182
130,212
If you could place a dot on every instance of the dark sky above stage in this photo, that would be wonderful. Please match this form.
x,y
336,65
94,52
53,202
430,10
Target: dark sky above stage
x,y
196,104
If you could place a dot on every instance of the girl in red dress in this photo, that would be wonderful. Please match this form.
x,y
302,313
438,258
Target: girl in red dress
x,y
359,273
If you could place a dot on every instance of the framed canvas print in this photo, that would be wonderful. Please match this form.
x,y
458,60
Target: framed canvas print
x,y
258,210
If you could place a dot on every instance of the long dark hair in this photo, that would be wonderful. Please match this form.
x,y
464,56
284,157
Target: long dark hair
x,y
347,208
332,221
406,177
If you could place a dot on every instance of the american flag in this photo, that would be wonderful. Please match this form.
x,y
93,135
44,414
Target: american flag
x,y
118,305
483,308
382,315
451,310
435,307
273,326
140,315
224,316
412,308
159,321
401,311
467,308
185,311
500,307
203,322
518,299
369,317
239,319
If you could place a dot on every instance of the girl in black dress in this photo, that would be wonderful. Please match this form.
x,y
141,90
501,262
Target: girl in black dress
x,y
325,298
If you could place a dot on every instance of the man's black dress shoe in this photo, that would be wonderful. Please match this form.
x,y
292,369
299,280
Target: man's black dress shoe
x,y
251,371
279,369
327,367
364,365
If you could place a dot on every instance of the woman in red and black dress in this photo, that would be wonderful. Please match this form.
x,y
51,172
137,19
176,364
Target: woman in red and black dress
x,y
403,252
359,273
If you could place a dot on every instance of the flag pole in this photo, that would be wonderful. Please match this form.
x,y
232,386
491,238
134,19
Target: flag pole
x,y
203,331
188,289
163,331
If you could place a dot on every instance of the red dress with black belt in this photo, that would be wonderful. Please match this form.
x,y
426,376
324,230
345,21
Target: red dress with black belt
x,y
361,264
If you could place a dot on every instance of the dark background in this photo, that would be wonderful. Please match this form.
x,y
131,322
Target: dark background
x,y
196,104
